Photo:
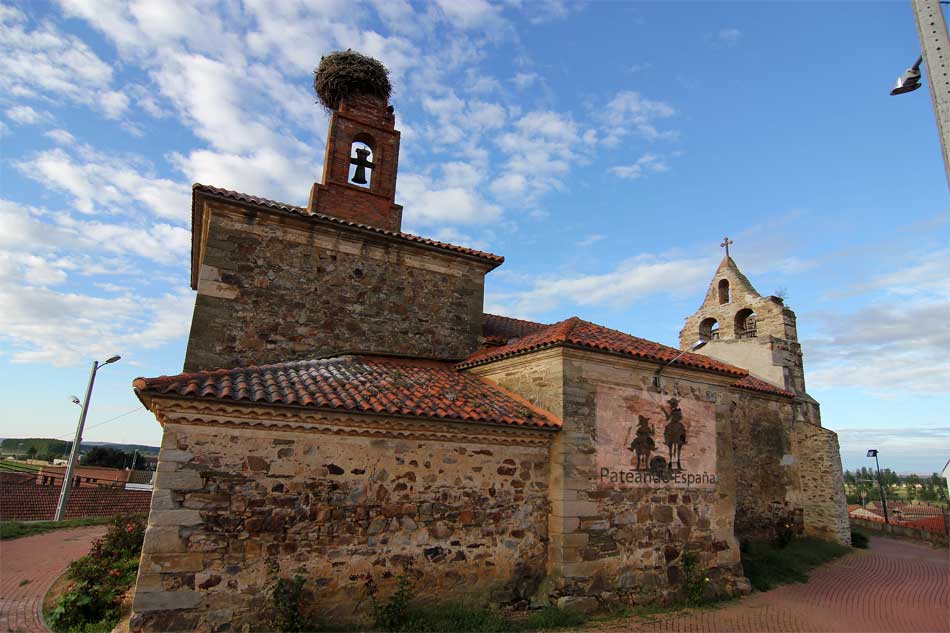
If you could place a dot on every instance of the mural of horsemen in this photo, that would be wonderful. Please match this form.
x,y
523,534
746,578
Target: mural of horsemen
x,y
674,436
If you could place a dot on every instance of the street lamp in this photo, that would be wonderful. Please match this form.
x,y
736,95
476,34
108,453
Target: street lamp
x,y
873,453
695,346
910,80
74,454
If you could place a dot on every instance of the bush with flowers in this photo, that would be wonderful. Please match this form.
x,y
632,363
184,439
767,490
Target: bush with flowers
x,y
100,579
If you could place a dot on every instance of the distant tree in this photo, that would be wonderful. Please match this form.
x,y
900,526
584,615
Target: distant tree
x,y
107,457
31,453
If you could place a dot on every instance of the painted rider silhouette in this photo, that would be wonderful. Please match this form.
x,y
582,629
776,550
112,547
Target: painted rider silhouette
x,y
674,434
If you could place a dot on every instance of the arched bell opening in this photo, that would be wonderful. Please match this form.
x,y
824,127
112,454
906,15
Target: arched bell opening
x,y
724,291
361,162
709,329
745,323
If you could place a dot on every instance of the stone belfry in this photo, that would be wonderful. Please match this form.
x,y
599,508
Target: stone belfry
x,y
746,329
362,157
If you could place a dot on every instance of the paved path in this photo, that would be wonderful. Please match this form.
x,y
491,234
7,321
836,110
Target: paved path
x,y
29,565
893,586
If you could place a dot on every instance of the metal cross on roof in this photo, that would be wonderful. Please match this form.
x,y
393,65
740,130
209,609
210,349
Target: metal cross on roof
x,y
725,244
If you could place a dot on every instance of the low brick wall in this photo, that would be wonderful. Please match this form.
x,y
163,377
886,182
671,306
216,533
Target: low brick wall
x,y
29,502
899,530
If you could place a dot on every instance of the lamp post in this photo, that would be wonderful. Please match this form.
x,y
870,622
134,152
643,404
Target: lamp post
x,y
873,453
74,454
656,377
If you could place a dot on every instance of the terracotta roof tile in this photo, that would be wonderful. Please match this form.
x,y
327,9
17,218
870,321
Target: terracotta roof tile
x,y
289,208
526,336
579,333
756,384
362,384
500,330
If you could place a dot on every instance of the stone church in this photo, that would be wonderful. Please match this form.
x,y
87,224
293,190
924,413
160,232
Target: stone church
x,y
348,411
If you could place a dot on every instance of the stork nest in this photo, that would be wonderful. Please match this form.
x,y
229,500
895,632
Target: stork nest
x,y
346,74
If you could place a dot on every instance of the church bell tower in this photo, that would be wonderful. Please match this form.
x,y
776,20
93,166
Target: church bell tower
x,y
744,328
360,165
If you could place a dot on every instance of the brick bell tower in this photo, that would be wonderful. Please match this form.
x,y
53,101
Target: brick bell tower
x,y
359,169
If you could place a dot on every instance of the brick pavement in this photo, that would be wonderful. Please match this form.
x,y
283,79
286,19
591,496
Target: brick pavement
x,y
893,586
40,560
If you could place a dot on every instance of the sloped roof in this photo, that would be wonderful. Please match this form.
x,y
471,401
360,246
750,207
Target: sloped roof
x,y
575,332
236,196
361,384
501,330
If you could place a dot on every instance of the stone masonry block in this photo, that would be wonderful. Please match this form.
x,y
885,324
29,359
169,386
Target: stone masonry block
x,y
180,480
163,540
174,518
165,600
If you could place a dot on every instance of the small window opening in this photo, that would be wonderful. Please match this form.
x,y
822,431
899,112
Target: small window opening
x,y
745,323
723,291
709,329
361,164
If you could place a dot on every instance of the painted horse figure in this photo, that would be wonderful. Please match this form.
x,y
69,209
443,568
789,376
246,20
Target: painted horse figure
x,y
674,435
643,443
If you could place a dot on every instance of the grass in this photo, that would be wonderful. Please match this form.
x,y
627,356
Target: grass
x,y
767,566
18,529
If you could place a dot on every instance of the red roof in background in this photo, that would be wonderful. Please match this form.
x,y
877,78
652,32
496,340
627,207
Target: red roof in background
x,y
364,384
288,208
32,502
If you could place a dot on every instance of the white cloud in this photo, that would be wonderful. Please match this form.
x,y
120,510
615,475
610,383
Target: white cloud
x,y
898,341
628,112
471,13
101,184
524,80
60,136
729,36
43,62
630,282
591,239
431,204
26,115
113,104
646,164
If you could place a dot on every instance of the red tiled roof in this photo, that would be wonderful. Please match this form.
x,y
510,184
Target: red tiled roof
x,y
289,208
575,332
755,384
32,502
499,330
364,384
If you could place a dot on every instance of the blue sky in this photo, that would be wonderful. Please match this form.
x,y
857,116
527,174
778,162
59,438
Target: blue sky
x,y
603,148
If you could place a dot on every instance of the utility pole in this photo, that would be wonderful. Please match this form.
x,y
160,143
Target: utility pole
x,y
74,454
935,45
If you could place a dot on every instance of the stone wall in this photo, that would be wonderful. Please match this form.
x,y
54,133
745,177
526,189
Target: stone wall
x,y
767,464
825,507
338,503
610,539
274,289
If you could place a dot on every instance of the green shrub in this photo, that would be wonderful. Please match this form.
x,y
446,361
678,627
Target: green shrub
x,y
393,613
859,539
100,579
767,566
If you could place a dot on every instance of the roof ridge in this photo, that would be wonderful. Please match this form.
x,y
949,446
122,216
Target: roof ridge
x,y
252,199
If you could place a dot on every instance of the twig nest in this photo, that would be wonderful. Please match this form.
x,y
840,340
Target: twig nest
x,y
346,74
